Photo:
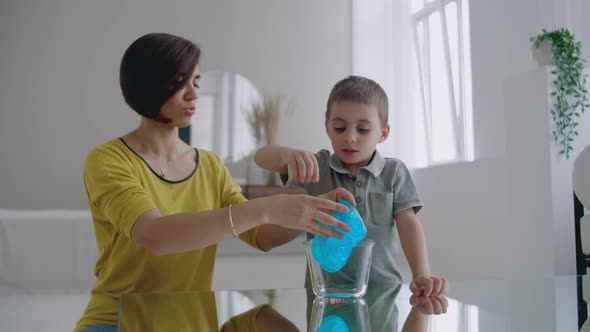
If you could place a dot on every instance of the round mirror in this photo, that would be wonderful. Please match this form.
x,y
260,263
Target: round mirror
x,y
220,124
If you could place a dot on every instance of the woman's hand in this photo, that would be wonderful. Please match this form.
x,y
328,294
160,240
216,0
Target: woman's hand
x,y
302,166
302,212
338,194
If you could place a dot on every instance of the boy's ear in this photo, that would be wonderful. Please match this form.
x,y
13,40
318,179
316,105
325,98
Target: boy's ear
x,y
384,134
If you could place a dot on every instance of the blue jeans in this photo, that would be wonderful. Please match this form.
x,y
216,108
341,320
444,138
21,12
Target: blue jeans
x,y
101,328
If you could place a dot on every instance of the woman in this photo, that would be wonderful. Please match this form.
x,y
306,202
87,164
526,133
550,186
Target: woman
x,y
160,206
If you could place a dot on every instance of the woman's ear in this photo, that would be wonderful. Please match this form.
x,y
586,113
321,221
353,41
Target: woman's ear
x,y
384,133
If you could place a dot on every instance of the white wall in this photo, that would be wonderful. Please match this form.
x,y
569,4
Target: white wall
x,y
510,212
500,32
514,213
59,93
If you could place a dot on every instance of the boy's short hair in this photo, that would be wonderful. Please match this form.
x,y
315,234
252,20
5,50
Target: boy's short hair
x,y
155,67
363,90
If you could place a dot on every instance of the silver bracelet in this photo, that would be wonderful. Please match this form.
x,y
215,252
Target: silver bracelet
x,y
231,222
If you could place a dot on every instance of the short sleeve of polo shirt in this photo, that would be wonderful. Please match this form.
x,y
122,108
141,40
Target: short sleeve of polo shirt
x,y
323,158
404,189
113,189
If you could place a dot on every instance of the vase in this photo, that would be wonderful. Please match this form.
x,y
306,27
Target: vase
x,y
254,174
272,179
543,54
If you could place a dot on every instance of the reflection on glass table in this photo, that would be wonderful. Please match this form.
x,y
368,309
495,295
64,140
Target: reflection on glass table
x,y
273,310
533,304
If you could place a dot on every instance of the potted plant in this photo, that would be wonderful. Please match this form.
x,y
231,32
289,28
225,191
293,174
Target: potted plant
x,y
569,82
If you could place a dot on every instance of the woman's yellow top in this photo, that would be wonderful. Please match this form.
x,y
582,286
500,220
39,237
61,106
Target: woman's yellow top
x,y
120,187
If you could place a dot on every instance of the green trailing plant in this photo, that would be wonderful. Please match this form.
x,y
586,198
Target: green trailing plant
x,y
569,81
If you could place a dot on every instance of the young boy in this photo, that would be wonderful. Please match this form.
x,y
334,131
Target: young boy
x,y
386,198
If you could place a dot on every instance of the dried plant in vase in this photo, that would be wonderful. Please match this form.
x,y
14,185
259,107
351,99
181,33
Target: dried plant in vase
x,y
264,120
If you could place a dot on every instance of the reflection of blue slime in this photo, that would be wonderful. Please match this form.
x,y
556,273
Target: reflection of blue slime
x,y
332,253
333,323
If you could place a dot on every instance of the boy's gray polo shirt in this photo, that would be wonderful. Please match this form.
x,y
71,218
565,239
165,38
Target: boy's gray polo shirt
x,y
381,189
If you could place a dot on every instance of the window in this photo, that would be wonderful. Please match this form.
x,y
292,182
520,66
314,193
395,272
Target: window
x,y
442,81
418,50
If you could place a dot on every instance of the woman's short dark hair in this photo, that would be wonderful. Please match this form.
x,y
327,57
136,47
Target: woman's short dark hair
x,y
155,67
362,90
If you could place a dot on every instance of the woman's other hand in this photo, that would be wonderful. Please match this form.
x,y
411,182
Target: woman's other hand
x,y
302,212
338,194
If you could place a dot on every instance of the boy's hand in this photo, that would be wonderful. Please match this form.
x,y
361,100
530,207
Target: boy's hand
x,y
428,286
303,166
434,305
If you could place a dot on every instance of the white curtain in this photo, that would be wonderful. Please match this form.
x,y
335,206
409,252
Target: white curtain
x,y
382,50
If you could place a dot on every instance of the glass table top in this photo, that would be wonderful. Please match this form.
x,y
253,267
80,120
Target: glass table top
x,y
549,304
